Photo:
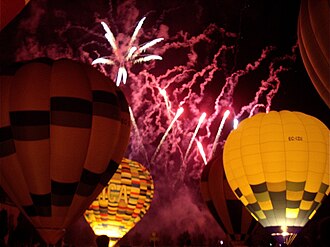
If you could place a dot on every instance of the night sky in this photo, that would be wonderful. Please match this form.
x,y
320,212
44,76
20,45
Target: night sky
x,y
216,55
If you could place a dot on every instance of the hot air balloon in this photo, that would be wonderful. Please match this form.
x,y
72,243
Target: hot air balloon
x,y
64,128
123,202
227,210
277,164
314,40
9,9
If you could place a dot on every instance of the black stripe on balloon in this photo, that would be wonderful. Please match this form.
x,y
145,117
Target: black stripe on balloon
x,y
30,210
30,125
71,104
259,188
122,101
234,208
62,193
238,192
5,134
107,175
71,112
7,146
309,196
106,104
88,182
323,188
29,118
42,204
105,97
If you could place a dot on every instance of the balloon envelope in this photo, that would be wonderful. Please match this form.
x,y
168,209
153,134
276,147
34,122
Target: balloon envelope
x,y
64,129
123,202
228,211
314,39
278,166
9,10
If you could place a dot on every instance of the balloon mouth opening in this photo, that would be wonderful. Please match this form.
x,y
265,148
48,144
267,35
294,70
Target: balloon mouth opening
x,y
284,234
284,230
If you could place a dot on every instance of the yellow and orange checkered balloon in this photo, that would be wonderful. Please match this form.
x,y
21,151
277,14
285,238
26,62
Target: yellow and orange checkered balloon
x,y
123,202
277,164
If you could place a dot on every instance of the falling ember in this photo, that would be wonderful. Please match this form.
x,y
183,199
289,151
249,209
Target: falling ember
x,y
132,54
235,124
163,93
177,115
222,123
200,121
201,151
121,76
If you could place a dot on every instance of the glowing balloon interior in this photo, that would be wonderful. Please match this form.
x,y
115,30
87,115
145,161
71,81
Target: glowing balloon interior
x,y
278,166
123,202
64,129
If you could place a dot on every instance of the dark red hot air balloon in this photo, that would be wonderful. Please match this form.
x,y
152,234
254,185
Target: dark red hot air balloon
x,y
64,128
9,9
314,40
227,210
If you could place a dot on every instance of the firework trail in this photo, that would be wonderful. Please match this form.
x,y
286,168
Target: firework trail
x,y
138,136
177,115
200,121
201,151
217,137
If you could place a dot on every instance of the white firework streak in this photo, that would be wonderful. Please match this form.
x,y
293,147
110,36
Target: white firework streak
x,y
133,54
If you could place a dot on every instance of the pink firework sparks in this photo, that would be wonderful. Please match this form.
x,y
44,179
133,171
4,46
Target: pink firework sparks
x,y
201,151
153,98
155,93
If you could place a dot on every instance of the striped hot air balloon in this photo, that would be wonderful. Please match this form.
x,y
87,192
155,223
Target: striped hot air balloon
x,y
64,128
314,40
227,210
9,9
123,202
277,164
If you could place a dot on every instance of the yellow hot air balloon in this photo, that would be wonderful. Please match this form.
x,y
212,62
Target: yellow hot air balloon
x,y
123,202
277,164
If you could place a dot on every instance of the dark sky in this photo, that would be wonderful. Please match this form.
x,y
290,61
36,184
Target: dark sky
x,y
216,55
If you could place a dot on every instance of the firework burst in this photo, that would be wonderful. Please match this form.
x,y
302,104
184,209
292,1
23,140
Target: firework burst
x,y
133,53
